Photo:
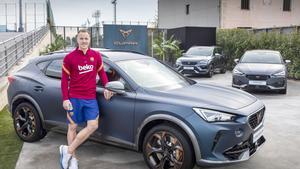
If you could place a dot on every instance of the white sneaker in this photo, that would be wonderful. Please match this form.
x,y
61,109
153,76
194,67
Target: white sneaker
x,y
65,157
74,163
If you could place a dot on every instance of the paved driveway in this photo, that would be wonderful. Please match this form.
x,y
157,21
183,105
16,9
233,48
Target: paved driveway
x,y
281,150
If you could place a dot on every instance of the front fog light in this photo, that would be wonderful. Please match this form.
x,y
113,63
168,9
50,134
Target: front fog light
x,y
239,132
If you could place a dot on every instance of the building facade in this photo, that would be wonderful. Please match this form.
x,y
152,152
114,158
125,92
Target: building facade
x,y
190,13
228,13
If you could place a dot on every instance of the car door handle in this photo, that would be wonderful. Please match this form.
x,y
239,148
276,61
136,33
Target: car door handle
x,y
38,88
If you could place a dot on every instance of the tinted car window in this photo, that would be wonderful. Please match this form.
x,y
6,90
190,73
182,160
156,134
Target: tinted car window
x,y
200,51
218,50
42,65
54,69
261,57
149,73
113,75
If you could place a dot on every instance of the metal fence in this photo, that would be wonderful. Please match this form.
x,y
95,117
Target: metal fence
x,y
13,49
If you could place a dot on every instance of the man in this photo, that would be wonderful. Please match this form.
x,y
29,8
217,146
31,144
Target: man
x,y
80,67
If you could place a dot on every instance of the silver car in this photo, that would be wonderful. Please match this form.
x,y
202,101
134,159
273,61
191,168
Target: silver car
x,y
261,70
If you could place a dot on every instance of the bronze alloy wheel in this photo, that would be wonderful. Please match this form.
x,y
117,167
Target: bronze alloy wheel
x,y
167,147
27,123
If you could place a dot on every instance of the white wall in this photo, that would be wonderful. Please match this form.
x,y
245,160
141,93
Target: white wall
x,y
262,14
203,13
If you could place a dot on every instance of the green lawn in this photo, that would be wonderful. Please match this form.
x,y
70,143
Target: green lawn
x,y
10,144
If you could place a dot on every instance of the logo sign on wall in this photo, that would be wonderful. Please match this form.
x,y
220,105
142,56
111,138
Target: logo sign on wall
x,y
126,37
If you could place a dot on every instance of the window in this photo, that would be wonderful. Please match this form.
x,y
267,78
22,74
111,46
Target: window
x,y
54,69
286,5
245,4
218,50
113,75
42,65
187,9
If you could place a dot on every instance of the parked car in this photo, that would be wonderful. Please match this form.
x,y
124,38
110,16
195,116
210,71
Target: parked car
x,y
174,121
199,60
261,70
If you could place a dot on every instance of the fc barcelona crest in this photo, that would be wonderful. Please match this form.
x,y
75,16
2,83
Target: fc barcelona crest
x,y
92,59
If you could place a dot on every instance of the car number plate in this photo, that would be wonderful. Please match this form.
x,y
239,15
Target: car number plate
x,y
257,82
258,134
188,68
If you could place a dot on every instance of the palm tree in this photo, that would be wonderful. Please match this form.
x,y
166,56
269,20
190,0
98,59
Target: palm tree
x,y
162,47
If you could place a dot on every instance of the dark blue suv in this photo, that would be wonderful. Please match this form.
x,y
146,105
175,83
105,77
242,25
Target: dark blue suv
x,y
174,121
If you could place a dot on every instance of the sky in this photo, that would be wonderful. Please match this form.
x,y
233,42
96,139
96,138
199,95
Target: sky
x,y
76,12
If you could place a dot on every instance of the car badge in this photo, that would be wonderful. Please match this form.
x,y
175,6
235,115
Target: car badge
x,y
259,116
92,59
257,77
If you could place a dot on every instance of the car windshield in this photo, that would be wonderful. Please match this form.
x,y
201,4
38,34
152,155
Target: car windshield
x,y
200,51
261,57
149,73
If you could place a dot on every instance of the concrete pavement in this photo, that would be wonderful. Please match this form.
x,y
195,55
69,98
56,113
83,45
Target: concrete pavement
x,y
281,150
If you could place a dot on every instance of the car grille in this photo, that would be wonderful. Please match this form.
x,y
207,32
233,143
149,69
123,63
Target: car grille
x,y
258,77
256,118
189,63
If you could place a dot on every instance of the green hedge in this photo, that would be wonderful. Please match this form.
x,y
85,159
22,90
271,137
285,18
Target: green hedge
x,y
236,41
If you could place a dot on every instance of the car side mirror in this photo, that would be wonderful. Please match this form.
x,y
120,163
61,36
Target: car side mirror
x,y
236,61
115,86
287,61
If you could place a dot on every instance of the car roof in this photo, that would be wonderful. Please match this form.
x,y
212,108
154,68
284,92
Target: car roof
x,y
112,55
205,47
264,50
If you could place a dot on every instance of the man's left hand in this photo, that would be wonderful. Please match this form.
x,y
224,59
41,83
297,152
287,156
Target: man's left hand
x,y
108,94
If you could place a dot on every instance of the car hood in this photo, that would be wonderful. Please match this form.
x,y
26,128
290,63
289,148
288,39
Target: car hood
x,y
209,96
259,68
194,58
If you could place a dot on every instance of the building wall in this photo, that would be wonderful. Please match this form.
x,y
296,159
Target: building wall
x,y
203,13
262,14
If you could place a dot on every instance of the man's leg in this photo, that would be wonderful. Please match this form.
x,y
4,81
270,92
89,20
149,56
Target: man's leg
x,y
72,132
71,135
84,134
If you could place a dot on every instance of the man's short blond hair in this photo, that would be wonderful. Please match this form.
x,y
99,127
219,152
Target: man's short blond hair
x,y
83,31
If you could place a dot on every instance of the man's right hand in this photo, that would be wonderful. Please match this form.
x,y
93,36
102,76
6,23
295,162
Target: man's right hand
x,y
67,105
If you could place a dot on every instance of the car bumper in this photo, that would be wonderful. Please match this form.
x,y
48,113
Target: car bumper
x,y
266,83
227,142
192,69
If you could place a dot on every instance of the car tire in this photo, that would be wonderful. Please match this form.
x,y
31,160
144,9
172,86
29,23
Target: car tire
x,y
223,70
27,123
210,71
166,146
283,91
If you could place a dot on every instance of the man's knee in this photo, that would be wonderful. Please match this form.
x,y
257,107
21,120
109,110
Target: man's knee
x,y
92,127
72,127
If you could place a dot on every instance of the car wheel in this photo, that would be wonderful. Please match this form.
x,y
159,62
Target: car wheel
x,y
210,71
166,146
223,70
27,123
283,91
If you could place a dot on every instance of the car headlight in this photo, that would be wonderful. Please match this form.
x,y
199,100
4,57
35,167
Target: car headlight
x,y
203,62
214,116
178,62
282,73
237,72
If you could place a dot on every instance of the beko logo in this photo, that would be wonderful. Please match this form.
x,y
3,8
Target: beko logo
x,y
84,69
